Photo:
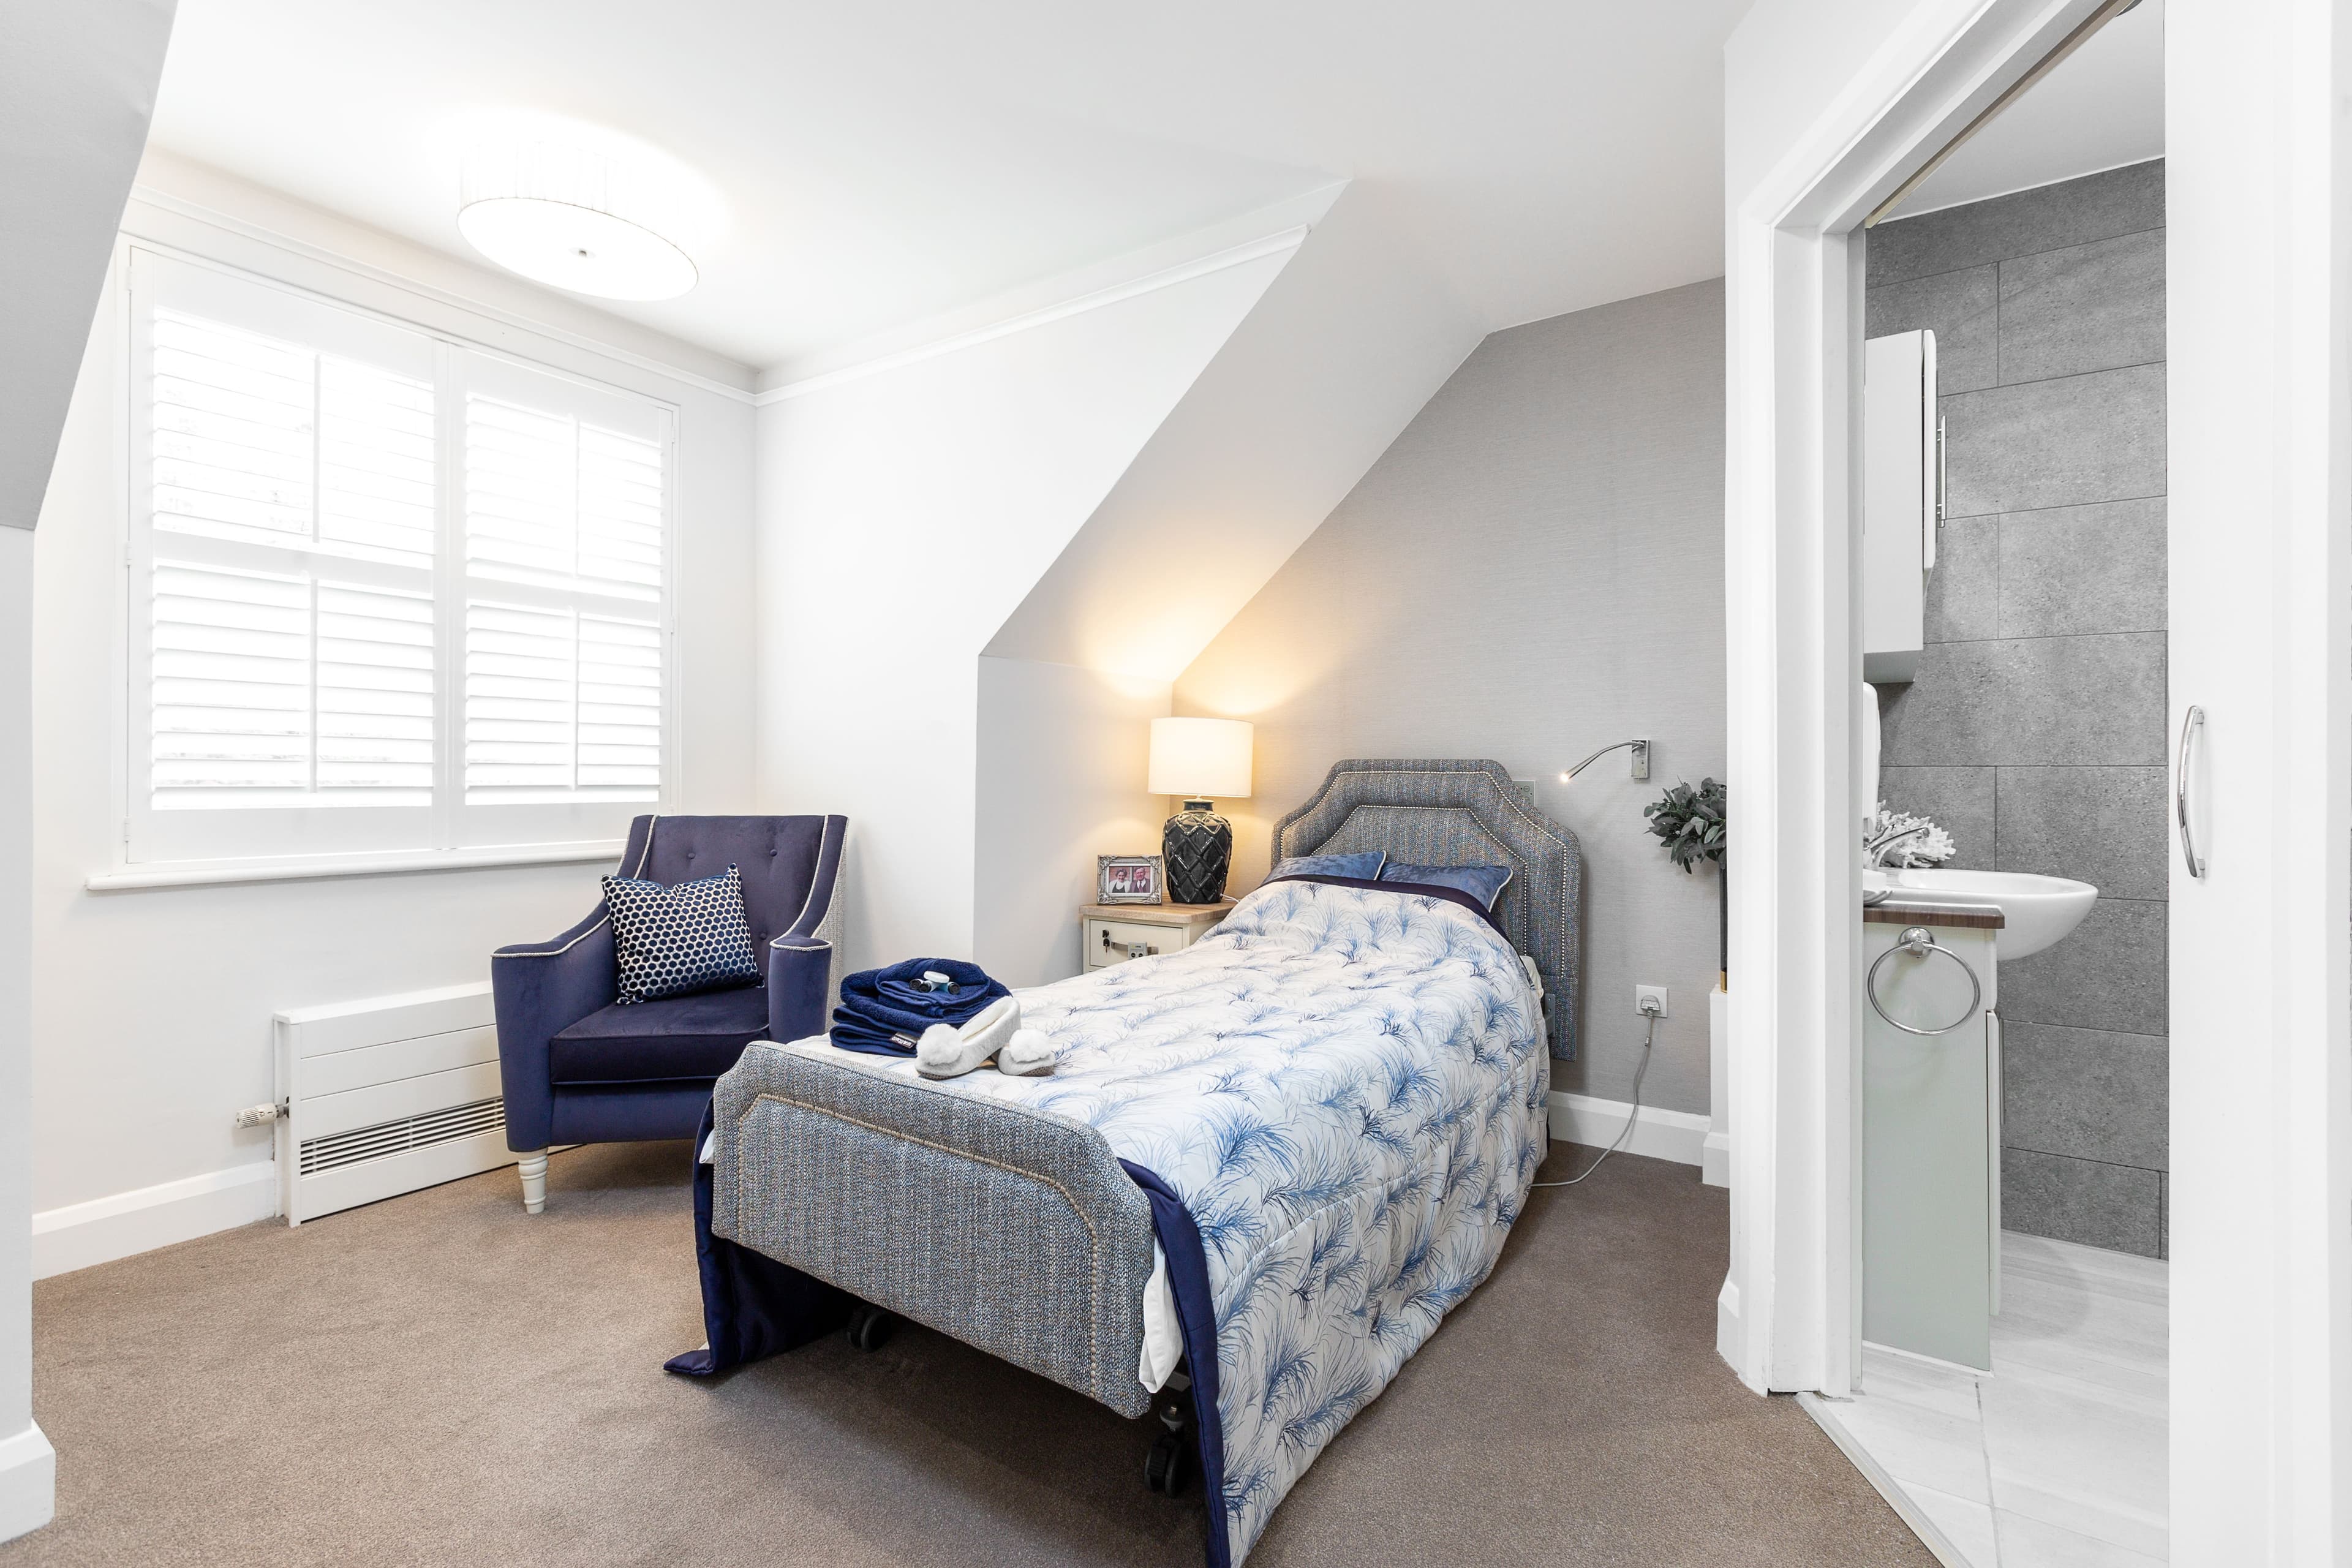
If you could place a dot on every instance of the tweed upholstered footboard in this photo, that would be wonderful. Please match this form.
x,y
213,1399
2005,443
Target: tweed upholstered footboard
x,y
1013,1229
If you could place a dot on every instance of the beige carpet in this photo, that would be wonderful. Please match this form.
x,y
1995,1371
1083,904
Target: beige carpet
x,y
440,1379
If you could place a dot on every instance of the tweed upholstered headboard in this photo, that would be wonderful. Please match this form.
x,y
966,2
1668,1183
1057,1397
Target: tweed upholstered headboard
x,y
1460,811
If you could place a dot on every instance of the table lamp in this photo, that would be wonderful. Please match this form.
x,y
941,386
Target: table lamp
x,y
1199,759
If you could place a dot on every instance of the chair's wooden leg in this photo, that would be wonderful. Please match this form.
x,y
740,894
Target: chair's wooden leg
x,y
532,1167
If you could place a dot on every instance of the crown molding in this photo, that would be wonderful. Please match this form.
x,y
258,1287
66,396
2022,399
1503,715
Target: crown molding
x,y
248,228
1275,244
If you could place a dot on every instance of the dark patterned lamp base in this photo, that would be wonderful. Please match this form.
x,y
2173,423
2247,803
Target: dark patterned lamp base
x,y
1198,846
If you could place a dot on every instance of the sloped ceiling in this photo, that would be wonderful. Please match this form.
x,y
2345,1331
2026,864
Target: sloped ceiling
x,y
77,85
1344,348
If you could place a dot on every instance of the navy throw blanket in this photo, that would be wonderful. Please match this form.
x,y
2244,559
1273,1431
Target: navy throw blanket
x,y
883,1012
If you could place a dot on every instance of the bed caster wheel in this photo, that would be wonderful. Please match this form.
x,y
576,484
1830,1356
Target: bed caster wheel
x,y
1164,1467
869,1326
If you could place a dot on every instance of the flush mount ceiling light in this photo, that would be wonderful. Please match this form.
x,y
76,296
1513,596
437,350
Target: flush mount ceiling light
x,y
572,217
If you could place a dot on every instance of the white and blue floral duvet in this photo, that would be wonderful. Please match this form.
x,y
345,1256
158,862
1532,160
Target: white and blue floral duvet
x,y
1346,1087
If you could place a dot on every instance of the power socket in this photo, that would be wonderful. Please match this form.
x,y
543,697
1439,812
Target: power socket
x,y
1650,1000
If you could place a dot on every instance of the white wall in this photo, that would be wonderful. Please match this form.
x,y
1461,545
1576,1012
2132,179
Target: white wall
x,y
1348,344
152,1008
1785,64
28,1469
1061,765
77,89
903,515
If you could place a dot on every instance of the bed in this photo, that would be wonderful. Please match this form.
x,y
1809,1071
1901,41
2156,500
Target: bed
x,y
1288,1150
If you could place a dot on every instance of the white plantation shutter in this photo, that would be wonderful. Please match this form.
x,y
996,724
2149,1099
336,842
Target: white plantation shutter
x,y
233,418
277,691
560,705
564,495
269,443
388,591
620,706
553,499
376,463
523,692
232,684
522,493
372,690
620,512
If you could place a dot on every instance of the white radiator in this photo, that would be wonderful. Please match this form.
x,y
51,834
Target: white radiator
x,y
386,1096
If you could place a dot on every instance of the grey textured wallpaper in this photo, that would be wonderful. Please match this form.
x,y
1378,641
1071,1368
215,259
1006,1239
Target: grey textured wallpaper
x,y
1534,569
2035,731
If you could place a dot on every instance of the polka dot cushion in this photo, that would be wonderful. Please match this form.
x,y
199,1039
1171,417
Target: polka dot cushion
x,y
674,941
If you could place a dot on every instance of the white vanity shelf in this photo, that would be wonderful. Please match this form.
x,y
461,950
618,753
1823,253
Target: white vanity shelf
x,y
1931,1127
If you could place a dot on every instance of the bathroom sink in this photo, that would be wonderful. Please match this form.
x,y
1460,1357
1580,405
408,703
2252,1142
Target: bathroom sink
x,y
2036,910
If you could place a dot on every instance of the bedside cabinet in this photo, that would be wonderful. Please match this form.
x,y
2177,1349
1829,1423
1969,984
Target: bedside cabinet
x,y
1113,934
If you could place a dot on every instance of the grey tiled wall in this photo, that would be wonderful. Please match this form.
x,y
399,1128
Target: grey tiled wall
x,y
2035,729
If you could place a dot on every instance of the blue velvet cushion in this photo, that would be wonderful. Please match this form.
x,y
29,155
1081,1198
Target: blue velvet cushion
x,y
1365,867
675,941
676,1037
1484,883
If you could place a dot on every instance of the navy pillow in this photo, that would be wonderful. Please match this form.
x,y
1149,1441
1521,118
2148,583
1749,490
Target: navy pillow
x,y
674,941
1484,883
1365,867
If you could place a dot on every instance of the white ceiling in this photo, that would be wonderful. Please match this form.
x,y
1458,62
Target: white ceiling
x,y
886,162
2101,109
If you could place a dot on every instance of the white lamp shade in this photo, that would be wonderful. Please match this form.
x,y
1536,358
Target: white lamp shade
x,y
572,217
1205,759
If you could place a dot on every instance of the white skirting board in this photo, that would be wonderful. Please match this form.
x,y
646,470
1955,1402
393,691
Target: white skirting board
x,y
79,1234
28,1483
384,1062
1715,1168
1676,1135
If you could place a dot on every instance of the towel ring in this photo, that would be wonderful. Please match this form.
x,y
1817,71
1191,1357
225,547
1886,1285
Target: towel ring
x,y
1920,942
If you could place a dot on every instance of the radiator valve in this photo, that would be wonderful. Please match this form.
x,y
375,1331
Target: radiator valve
x,y
260,1115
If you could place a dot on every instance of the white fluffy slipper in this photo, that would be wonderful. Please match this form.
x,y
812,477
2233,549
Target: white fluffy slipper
x,y
1026,1053
946,1051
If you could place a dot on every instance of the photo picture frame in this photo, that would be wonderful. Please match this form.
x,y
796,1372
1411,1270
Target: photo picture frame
x,y
1130,879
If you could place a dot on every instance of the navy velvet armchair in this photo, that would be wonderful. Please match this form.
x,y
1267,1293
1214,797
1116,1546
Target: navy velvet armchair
x,y
578,1068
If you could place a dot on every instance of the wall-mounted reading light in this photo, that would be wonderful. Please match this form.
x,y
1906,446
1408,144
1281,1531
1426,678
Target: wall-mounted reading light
x,y
1641,759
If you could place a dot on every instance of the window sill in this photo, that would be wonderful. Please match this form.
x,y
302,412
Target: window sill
x,y
209,873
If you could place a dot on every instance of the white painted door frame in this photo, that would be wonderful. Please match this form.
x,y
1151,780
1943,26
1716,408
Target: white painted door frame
x,y
1792,549
2261,1429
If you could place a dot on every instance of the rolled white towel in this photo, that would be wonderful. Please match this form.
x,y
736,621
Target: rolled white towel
x,y
946,1051
1026,1053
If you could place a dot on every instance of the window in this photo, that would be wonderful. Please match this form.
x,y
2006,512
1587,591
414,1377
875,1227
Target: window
x,y
389,591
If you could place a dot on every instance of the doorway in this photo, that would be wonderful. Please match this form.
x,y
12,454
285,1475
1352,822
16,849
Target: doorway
x,y
2257,1019
2012,1371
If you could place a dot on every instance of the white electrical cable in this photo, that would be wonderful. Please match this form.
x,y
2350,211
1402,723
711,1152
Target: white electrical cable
x,y
1648,1040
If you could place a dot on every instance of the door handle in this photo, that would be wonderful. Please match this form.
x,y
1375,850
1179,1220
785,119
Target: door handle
x,y
2192,725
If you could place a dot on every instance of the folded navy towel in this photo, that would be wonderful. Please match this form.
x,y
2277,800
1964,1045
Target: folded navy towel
x,y
883,1012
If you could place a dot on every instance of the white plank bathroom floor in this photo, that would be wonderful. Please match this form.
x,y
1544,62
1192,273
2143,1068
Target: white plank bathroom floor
x,y
2055,1460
